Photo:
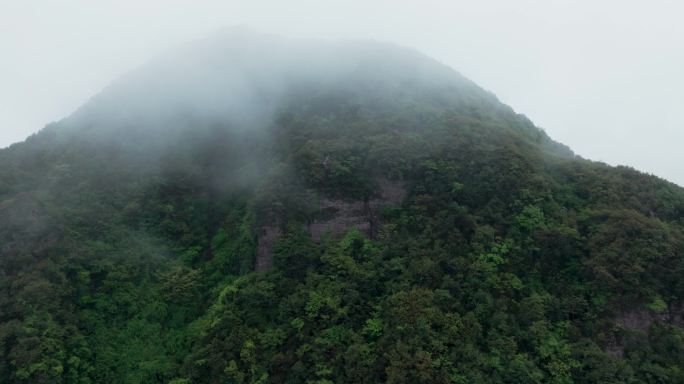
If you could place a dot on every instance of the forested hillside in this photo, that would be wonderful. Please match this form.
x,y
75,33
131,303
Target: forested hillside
x,y
250,209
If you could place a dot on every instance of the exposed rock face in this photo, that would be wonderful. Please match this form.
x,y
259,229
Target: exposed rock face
x,y
341,216
268,237
337,217
640,320
27,221
391,192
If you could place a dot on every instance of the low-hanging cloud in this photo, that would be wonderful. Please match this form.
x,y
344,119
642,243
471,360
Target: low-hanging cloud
x,y
602,78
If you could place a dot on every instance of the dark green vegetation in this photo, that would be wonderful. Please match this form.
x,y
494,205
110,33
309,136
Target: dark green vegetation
x,y
129,234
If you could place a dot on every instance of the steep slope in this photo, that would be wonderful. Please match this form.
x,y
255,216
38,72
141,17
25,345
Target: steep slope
x,y
255,209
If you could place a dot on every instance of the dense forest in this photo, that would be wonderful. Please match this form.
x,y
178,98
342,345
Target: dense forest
x,y
249,209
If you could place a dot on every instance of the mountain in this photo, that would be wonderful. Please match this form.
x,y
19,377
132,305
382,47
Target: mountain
x,y
254,209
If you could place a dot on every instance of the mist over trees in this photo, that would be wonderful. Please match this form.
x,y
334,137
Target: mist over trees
x,y
410,228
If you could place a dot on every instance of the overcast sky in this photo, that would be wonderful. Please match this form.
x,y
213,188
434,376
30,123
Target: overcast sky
x,y
604,77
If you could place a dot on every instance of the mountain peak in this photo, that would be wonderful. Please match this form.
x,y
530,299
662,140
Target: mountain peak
x,y
250,208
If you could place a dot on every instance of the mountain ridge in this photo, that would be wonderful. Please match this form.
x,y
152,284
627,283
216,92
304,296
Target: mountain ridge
x,y
253,209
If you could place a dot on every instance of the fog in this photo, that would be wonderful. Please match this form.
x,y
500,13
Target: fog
x,y
240,79
604,78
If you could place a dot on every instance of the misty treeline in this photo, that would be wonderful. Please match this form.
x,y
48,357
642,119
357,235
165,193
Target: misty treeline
x,y
129,232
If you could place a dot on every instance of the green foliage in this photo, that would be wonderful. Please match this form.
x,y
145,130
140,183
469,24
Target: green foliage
x,y
130,259
658,305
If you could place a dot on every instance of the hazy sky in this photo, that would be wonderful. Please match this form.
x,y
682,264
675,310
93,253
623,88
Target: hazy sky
x,y
604,77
